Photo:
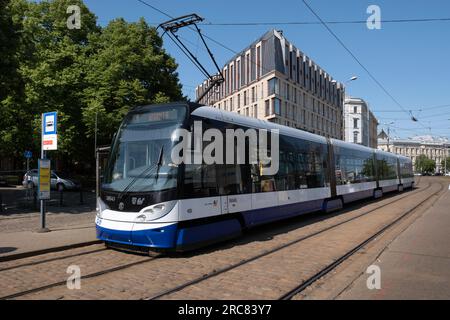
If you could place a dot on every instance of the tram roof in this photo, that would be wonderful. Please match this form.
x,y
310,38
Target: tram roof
x,y
232,117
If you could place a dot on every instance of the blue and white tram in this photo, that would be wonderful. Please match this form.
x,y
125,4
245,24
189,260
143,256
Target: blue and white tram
x,y
147,201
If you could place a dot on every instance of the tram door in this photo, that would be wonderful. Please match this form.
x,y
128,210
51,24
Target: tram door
x,y
234,189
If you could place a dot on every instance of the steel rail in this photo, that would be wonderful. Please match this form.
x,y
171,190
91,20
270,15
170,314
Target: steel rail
x,y
216,272
289,295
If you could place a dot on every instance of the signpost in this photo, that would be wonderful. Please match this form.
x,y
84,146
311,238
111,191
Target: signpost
x,y
49,141
28,155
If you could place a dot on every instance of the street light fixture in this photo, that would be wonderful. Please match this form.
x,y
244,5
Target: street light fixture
x,y
349,80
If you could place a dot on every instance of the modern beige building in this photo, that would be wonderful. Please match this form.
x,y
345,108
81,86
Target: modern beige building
x,y
434,148
275,81
360,124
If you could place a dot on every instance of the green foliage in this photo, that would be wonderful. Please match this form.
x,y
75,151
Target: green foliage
x,y
445,164
45,66
425,165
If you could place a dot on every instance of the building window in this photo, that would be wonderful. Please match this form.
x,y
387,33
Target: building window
x,y
238,101
287,92
247,66
253,94
276,106
272,85
238,74
355,123
355,137
355,109
267,105
226,82
258,62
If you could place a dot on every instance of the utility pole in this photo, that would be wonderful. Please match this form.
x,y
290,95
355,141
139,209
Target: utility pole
x,y
97,171
388,134
388,149
445,159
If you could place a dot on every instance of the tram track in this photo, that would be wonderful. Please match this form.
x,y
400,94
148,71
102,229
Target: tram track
x,y
216,271
33,263
327,269
220,271
83,277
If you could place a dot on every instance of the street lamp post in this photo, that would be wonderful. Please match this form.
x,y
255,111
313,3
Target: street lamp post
x,y
388,133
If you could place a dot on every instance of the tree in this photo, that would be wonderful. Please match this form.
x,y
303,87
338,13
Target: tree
x,y
45,66
11,84
129,68
425,165
445,164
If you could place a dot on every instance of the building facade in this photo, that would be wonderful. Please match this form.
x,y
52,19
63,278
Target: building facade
x,y
360,124
433,148
273,80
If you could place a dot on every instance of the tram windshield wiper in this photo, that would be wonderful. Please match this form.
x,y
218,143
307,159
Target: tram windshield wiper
x,y
143,174
159,164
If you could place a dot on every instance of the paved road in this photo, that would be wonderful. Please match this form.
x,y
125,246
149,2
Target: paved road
x,y
417,264
266,278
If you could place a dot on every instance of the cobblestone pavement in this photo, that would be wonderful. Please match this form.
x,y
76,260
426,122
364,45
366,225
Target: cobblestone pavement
x,y
17,202
26,276
55,221
20,216
264,278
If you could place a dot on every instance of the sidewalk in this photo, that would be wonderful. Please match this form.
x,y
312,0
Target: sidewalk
x,y
24,243
70,227
416,265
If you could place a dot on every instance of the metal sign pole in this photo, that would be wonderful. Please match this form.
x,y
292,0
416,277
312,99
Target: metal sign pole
x,y
42,201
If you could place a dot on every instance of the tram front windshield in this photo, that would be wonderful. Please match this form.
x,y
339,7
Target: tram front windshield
x,y
140,159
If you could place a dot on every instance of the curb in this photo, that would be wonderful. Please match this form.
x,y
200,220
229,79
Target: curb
x,y
48,250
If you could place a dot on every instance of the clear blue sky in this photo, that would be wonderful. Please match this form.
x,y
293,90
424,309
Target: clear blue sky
x,y
412,60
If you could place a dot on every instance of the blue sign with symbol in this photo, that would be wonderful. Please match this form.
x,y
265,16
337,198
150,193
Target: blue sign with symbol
x,y
50,123
28,154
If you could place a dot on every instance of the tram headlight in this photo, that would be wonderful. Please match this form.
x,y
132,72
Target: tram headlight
x,y
101,206
159,210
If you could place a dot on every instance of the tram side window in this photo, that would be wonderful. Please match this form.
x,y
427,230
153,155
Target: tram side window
x,y
387,167
200,180
260,181
232,178
406,169
353,166
315,176
311,167
287,171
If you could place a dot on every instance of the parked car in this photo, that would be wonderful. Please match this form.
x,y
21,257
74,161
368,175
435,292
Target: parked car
x,y
58,181
447,174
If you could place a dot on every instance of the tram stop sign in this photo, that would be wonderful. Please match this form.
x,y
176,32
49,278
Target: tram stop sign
x,y
49,131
